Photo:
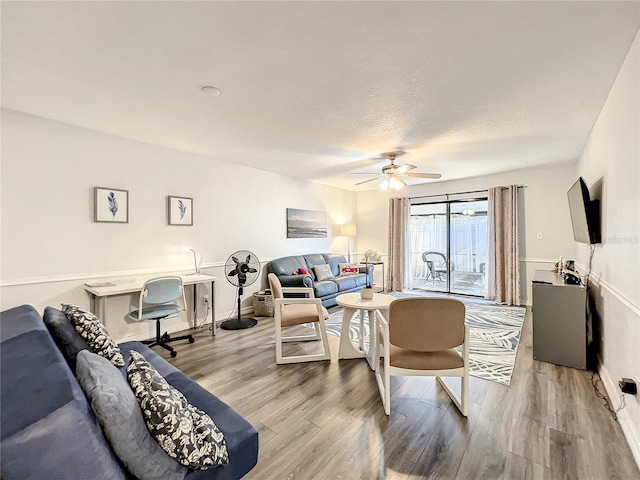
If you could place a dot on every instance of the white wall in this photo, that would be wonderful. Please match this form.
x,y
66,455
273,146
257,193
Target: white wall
x,y
610,165
50,244
543,208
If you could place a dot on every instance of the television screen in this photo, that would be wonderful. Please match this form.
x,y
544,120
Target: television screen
x,y
583,215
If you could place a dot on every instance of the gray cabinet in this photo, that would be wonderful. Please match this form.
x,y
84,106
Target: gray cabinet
x,y
559,321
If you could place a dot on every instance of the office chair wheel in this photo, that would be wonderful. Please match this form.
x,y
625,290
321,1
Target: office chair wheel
x,y
191,340
165,337
173,354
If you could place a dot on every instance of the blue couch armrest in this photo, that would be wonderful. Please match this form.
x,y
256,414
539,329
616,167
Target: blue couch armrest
x,y
296,281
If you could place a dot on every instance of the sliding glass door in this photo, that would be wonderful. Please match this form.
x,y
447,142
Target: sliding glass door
x,y
448,246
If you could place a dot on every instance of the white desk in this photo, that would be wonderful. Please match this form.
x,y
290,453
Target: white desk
x,y
378,305
129,285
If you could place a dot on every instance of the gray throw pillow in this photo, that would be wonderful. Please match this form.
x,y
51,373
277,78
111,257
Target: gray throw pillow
x,y
186,433
93,331
64,334
323,272
118,412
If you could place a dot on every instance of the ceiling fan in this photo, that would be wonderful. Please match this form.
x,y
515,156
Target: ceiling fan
x,y
392,174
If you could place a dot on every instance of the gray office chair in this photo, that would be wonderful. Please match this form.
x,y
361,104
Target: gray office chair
x,y
158,300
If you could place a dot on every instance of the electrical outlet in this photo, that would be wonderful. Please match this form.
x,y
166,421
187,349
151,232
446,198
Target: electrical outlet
x,y
629,386
539,235
205,299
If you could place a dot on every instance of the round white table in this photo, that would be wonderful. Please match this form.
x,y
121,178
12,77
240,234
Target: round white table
x,y
352,302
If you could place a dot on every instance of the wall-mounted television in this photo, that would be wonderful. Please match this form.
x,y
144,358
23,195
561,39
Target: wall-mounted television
x,y
585,213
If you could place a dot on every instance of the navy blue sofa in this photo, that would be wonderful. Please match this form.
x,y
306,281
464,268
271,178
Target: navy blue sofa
x,y
325,290
47,428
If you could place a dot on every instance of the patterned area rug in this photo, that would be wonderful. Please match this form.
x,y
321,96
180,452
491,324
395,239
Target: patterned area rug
x,y
494,331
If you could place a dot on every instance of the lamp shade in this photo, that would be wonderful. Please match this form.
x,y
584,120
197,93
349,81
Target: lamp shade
x,y
347,230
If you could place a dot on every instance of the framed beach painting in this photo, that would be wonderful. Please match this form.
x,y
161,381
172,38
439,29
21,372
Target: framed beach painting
x,y
111,205
180,211
306,223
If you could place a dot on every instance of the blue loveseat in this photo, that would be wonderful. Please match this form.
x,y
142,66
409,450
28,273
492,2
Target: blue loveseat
x,y
326,290
48,430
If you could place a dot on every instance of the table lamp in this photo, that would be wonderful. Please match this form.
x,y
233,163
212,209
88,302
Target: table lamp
x,y
195,262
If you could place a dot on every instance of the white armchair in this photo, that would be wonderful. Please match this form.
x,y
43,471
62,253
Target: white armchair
x,y
289,312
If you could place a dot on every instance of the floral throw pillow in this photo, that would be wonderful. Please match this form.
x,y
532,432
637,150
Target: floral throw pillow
x,y
186,433
323,272
94,333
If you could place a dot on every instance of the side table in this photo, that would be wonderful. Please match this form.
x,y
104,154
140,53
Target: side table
x,y
378,305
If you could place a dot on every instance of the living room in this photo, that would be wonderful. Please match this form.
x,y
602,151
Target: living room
x,y
54,156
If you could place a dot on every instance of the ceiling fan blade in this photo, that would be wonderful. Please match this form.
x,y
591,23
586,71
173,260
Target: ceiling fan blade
x,y
370,180
364,173
404,168
422,175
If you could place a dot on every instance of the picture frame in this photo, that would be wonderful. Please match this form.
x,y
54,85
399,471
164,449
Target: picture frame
x,y
111,205
180,211
306,223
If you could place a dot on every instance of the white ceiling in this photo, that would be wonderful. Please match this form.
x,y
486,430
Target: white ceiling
x,y
317,90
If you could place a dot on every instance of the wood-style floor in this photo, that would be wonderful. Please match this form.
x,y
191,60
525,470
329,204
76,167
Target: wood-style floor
x,y
324,420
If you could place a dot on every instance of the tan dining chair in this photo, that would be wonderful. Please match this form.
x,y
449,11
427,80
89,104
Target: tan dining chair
x,y
289,312
420,338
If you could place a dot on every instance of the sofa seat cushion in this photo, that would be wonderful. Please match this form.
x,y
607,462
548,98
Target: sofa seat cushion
x,y
326,287
348,282
67,443
239,434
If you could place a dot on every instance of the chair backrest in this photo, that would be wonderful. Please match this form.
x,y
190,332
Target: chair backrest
x,y
426,324
161,290
275,285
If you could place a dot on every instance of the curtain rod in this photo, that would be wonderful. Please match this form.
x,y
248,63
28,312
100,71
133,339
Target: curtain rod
x,y
459,193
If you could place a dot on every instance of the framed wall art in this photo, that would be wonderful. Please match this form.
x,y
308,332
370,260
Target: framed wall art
x,y
306,223
180,211
111,205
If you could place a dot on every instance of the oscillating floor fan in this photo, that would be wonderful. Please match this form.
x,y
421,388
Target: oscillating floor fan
x,y
242,269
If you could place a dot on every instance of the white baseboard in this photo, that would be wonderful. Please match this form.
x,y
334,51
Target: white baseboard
x,y
628,428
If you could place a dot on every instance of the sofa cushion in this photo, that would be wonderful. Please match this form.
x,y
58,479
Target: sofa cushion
x,y
346,282
334,260
239,434
326,287
94,332
186,433
314,259
118,412
287,265
64,334
323,272
43,406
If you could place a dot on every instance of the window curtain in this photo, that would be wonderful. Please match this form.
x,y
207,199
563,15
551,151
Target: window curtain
x,y
397,270
503,254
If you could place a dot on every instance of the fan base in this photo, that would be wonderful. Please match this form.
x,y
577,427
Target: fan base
x,y
238,323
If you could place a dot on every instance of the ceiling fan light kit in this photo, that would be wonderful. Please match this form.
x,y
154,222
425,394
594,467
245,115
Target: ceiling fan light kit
x,y
392,174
